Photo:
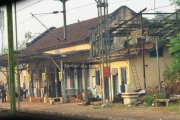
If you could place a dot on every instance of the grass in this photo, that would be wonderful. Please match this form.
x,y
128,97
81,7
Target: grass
x,y
171,108
97,107
174,108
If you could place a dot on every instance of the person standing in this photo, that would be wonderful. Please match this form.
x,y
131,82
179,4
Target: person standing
x,y
3,95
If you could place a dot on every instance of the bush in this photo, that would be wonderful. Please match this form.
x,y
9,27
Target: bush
x,y
148,100
160,96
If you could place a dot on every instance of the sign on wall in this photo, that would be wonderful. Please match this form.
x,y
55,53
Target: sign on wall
x,y
106,72
60,76
43,76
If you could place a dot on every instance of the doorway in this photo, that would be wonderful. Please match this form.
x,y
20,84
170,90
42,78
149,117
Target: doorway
x,y
123,79
106,88
115,84
79,76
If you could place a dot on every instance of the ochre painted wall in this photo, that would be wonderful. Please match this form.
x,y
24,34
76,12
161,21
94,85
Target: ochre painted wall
x,y
151,71
75,48
2,76
118,65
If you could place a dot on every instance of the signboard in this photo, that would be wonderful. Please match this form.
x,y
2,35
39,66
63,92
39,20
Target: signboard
x,y
106,72
43,76
60,76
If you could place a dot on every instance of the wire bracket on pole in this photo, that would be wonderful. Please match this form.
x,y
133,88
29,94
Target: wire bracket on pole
x,y
56,36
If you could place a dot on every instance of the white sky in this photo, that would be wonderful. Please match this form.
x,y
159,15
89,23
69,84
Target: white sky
x,y
76,10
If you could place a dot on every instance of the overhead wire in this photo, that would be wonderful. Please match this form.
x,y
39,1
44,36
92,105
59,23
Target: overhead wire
x,y
29,5
160,7
86,6
67,9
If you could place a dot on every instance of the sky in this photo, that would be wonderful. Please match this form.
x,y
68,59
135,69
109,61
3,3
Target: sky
x,y
76,10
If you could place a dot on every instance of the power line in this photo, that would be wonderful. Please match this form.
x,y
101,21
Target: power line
x,y
159,7
25,20
86,6
29,5
26,7
94,4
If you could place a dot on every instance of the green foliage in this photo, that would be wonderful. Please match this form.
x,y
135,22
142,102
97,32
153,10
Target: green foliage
x,y
160,16
176,2
173,71
160,96
28,35
148,100
168,74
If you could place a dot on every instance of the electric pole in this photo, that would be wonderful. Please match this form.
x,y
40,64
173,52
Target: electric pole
x,y
11,58
17,62
102,8
64,17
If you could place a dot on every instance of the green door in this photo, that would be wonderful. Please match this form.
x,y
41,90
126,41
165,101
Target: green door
x,y
123,79
79,75
106,88
115,84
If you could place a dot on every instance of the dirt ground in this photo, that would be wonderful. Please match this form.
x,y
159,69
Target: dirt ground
x,y
118,112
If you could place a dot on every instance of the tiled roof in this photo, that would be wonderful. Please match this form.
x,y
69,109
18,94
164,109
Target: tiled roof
x,y
77,32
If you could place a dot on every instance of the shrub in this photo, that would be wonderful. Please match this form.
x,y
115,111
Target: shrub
x,y
148,100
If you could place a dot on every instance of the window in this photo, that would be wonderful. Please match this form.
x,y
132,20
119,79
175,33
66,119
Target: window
x,y
153,53
97,78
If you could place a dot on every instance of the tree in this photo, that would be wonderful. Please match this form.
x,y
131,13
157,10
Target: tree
x,y
27,36
176,3
160,16
173,71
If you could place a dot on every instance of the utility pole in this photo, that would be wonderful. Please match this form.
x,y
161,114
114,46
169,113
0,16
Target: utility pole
x,y
17,62
143,57
158,67
63,88
56,81
64,17
2,29
11,58
102,7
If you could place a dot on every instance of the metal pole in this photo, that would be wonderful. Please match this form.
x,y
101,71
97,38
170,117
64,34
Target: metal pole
x,y
144,72
99,47
17,63
142,42
154,6
62,84
158,67
64,17
45,87
11,58
55,35
56,81
2,30
85,85
8,83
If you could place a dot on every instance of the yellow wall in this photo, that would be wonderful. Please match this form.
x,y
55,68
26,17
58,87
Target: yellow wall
x,y
2,76
118,65
75,48
151,71
151,68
